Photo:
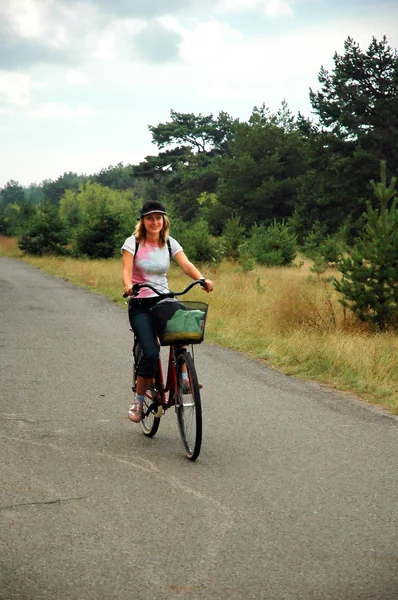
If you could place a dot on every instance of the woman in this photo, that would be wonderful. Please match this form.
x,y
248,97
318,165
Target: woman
x,y
146,259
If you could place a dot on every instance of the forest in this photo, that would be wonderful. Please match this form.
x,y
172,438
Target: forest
x,y
255,192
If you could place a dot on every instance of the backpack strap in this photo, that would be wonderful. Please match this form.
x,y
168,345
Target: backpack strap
x,y
137,245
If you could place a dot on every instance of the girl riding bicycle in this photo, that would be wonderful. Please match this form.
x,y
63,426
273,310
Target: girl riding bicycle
x,y
146,259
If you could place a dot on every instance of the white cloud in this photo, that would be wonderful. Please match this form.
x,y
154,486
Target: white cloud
x,y
272,8
50,30
106,47
60,111
27,17
278,8
230,66
15,88
219,40
74,77
170,22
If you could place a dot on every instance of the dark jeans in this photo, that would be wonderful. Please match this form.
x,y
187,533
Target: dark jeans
x,y
141,324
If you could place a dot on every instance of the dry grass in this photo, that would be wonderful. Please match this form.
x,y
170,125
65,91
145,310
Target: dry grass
x,y
292,320
289,318
9,247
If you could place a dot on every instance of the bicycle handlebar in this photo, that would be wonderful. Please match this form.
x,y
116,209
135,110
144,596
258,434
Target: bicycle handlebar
x,y
138,286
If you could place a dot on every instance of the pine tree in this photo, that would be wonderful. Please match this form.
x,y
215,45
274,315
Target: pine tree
x,y
45,232
98,237
369,282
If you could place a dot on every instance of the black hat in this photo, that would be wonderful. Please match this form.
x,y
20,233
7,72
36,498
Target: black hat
x,y
152,206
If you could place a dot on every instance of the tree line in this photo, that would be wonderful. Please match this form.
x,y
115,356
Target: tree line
x,y
255,190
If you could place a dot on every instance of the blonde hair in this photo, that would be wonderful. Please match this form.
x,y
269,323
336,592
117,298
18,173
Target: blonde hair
x,y
140,231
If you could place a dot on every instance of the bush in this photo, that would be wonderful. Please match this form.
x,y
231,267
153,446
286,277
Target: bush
x,y
98,238
313,240
331,249
233,236
317,245
45,233
270,246
197,242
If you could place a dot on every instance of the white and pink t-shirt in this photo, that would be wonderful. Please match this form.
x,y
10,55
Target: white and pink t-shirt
x,y
151,264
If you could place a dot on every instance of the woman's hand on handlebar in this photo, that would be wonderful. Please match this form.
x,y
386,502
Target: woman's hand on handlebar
x,y
208,285
128,290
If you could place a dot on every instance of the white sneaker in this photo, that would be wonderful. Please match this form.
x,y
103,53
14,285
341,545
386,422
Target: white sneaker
x,y
135,412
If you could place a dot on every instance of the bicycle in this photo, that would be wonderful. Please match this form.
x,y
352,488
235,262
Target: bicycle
x,y
183,394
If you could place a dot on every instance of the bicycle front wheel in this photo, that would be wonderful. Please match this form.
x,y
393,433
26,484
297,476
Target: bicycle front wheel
x,y
189,406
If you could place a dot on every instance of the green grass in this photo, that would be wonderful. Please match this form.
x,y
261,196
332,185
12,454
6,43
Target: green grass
x,y
286,318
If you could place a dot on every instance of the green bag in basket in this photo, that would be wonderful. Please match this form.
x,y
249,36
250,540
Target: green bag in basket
x,y
163,311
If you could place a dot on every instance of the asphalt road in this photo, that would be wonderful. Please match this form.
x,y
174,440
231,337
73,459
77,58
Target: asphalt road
x,y
294,496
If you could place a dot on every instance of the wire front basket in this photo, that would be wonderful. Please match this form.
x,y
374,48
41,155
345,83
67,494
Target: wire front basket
x,y
187,325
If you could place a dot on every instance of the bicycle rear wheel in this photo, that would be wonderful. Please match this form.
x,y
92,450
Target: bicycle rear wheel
x,y
189,406
150,420
150,409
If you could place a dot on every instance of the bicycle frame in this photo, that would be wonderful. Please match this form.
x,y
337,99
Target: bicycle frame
x,y
171,384
171,378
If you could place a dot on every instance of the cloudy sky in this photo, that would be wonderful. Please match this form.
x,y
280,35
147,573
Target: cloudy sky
x,y
80,81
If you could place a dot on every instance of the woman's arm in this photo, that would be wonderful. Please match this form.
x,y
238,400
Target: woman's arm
x,y
189,269
128,263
